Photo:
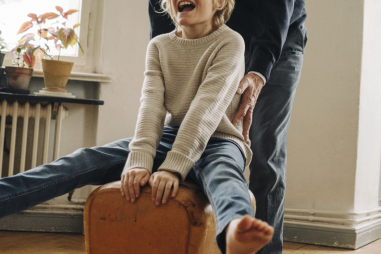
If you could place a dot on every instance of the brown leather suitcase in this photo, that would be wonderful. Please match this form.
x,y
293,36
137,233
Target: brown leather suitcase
x,y
184,225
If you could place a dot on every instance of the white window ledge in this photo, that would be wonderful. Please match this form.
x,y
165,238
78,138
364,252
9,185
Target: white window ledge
x,y
91,77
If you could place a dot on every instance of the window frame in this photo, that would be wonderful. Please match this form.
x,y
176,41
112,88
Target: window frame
x,y
89,28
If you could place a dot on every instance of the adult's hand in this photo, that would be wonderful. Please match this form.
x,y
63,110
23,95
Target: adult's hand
x,y
249,87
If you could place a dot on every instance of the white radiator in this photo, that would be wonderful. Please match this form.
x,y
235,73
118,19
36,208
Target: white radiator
x,y
27,111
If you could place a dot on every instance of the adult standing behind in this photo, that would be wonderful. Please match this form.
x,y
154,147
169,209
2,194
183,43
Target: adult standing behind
x,y
275,37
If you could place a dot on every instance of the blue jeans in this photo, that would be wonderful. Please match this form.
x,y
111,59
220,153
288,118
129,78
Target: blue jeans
x,y
219,172
268,135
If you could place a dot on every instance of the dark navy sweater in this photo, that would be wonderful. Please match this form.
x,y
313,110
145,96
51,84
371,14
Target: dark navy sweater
x,y
263,24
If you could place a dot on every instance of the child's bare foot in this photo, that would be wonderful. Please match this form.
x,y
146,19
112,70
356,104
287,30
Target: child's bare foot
x,y
247,235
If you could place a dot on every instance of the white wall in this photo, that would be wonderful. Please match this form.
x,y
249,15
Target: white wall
x,y
322,142
379,189
369,150
124,42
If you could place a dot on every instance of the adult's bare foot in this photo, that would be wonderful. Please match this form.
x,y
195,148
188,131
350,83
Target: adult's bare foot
x,y
247,235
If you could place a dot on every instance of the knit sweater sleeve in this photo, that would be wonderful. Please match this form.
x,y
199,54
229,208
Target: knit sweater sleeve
x,y
152,112
212,99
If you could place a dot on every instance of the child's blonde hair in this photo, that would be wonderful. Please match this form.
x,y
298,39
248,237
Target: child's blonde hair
x,y
221,16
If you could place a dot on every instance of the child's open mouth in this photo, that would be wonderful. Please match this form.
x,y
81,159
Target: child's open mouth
x,y
185,6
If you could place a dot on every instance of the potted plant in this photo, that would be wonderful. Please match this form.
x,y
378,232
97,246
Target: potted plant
x,y
19,75
56,72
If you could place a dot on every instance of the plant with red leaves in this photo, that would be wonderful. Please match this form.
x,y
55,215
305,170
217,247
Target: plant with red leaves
x,y
62,36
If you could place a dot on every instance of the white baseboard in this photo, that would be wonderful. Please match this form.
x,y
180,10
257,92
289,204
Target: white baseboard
x,y
344,230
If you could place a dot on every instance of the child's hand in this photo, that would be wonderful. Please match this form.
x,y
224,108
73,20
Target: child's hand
x,y
131,180
161,183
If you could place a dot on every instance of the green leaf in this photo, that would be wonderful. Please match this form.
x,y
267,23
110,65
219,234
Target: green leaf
x,y
67,36
53,33
80,47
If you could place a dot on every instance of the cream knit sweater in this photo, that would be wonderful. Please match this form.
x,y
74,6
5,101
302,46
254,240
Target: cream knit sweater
x,y
195,80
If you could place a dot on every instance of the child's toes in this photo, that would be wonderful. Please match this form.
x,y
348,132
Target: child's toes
x,y
249,241
269,230
261,226
244,224
256,224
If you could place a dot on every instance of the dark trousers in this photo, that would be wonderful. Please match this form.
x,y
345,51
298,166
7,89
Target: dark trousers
x,y
268,133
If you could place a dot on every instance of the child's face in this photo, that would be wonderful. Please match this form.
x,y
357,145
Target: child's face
x,y
193,12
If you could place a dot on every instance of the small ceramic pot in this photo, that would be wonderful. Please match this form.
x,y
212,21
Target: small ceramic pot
x,y
56,74
18,77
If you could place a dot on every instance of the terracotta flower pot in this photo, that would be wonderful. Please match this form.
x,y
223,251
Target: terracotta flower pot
x,y
56,74
18,77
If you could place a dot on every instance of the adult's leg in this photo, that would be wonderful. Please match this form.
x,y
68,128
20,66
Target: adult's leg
x,y
268,135
220,173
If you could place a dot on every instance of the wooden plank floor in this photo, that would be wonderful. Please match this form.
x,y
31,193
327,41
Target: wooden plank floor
x,y
298,248
55,243
42,243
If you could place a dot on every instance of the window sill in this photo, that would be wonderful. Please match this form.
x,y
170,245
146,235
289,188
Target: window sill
x,y
91,77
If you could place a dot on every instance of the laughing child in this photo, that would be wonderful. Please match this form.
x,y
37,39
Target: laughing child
x,y
193,74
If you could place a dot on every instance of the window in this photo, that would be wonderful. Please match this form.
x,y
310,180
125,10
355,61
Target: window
x,y
13,13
